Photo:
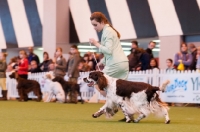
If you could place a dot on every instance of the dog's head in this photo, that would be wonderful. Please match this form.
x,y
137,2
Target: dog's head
x,y
98,78
14,75
48,76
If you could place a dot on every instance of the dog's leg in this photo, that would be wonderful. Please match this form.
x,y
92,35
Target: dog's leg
x,y
140,117
128,119
100,112
25,96
21,95
167,120
82,101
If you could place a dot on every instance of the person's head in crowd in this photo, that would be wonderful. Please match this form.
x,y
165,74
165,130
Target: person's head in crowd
x,y
58,52
45,56
169,63
151,45
198,52
98,20
153,63
83,67
134,44
22,54
51,67
34,64
191,47
184,48
30,50
86,57
74,49
9,68
3,56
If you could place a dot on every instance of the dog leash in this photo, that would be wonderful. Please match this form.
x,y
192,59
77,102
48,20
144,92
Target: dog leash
x,y
94,57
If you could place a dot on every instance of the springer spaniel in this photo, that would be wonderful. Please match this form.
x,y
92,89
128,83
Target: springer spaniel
x,y
131,97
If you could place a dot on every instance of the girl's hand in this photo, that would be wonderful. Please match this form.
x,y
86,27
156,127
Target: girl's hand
x,y
180,61
94,42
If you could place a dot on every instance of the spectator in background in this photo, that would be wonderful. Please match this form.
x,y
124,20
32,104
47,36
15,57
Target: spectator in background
x,y
170,66
83,67
73,62
193,50
92,60
32,56
134,57
153,64
144,60
51,67
60,64
34,67
22,67
198,59
151,46
44,66
3,67
183,57
88,61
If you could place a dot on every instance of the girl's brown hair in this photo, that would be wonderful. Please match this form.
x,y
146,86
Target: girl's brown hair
x,y
100,17
59,48
45,53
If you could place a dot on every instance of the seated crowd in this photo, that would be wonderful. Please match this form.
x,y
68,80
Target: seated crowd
x,y
139,59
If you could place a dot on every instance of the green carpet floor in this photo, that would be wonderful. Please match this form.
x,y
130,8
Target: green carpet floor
x,y
54,117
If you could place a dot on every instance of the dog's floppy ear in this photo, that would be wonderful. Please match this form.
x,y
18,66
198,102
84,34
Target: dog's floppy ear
x,y
102,82
48,76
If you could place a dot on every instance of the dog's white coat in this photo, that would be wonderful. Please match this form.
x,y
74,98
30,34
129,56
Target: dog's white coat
x,y
55,89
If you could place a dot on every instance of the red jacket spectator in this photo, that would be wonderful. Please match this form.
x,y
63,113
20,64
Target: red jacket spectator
x,y
23,67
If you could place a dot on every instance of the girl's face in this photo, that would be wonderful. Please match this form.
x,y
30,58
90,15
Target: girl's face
x,y
86,58
152,63
21,54
169,64
58,53
183,47
72,50
45,57
97,26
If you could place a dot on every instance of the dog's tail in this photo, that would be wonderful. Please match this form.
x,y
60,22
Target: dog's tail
x,y
164,85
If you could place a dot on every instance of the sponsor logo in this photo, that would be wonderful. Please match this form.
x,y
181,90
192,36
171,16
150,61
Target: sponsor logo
x,y
177,86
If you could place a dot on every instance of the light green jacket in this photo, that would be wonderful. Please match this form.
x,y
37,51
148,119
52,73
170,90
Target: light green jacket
x,y
111,47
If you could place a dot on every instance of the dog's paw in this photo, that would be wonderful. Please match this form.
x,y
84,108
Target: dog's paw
x,y
94,116
136,121
167,121
128,120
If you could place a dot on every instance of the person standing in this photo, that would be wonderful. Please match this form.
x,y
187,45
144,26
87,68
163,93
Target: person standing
x,y
170,67
134,57
183,57
60,63
44,66
32,56
151,46
193,50
22,67
3,67
115,60
73,62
